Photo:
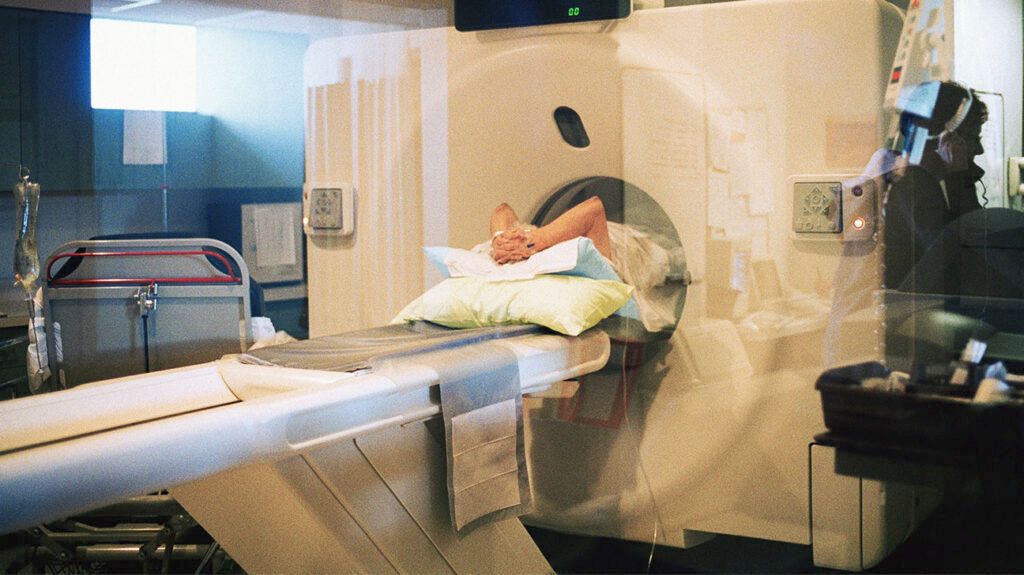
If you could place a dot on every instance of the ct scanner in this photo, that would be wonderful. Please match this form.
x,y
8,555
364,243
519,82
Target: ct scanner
x,y
720,119
707,125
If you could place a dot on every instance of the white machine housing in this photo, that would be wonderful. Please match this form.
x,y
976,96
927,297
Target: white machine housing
x,y
710,110
291,470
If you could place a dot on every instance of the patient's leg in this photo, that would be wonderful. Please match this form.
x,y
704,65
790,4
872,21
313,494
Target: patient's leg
x,y
503,218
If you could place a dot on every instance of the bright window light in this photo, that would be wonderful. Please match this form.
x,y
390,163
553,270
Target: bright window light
x,y
143,66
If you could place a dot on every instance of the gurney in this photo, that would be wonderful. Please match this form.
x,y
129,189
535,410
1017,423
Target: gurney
x,y
338,468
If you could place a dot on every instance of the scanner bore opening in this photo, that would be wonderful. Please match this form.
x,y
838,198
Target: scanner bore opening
x,y
627,204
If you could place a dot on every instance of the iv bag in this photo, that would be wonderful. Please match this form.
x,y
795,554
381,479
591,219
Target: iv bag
x,y
26,254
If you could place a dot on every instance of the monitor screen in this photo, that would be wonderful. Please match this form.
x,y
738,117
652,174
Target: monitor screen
x,y
473,15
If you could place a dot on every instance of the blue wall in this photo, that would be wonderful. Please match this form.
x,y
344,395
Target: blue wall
x,y
251,83
45,118
247,133
245,142
190,142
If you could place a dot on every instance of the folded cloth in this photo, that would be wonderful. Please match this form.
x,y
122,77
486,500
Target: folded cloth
x,y
482,409
364,349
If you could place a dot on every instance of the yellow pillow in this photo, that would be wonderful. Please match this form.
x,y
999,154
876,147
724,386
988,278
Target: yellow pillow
x,y
566,304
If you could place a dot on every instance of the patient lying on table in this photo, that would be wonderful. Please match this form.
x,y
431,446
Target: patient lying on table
x,y
638,260
566,275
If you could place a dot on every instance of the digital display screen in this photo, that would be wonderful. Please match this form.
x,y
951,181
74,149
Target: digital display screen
x,y
471,15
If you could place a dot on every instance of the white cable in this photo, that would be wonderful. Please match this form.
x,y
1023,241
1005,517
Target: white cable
x,y
636,444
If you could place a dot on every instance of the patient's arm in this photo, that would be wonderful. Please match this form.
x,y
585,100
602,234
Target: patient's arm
x,y
586,219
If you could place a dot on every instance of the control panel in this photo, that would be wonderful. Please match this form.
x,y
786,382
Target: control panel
x,y
329,209
818,207
833,207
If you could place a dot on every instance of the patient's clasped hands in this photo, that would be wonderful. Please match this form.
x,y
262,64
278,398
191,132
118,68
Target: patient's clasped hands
x,y
511,245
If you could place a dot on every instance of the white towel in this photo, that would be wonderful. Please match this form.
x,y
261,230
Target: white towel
x,y
478,262
481,405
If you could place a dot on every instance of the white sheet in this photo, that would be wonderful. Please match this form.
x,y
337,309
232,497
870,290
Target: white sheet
x,y
478,262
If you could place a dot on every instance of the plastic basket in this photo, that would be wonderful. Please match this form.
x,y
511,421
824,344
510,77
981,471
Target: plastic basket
x,y
914,417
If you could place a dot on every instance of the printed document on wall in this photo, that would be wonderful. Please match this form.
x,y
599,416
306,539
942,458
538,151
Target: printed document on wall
x,y
144,139
663,131
275,235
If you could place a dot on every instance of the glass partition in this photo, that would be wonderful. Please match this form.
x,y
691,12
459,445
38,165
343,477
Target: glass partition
x,y
788,187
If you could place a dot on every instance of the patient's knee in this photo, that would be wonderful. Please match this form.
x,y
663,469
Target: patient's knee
x,y
504,216
594,206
